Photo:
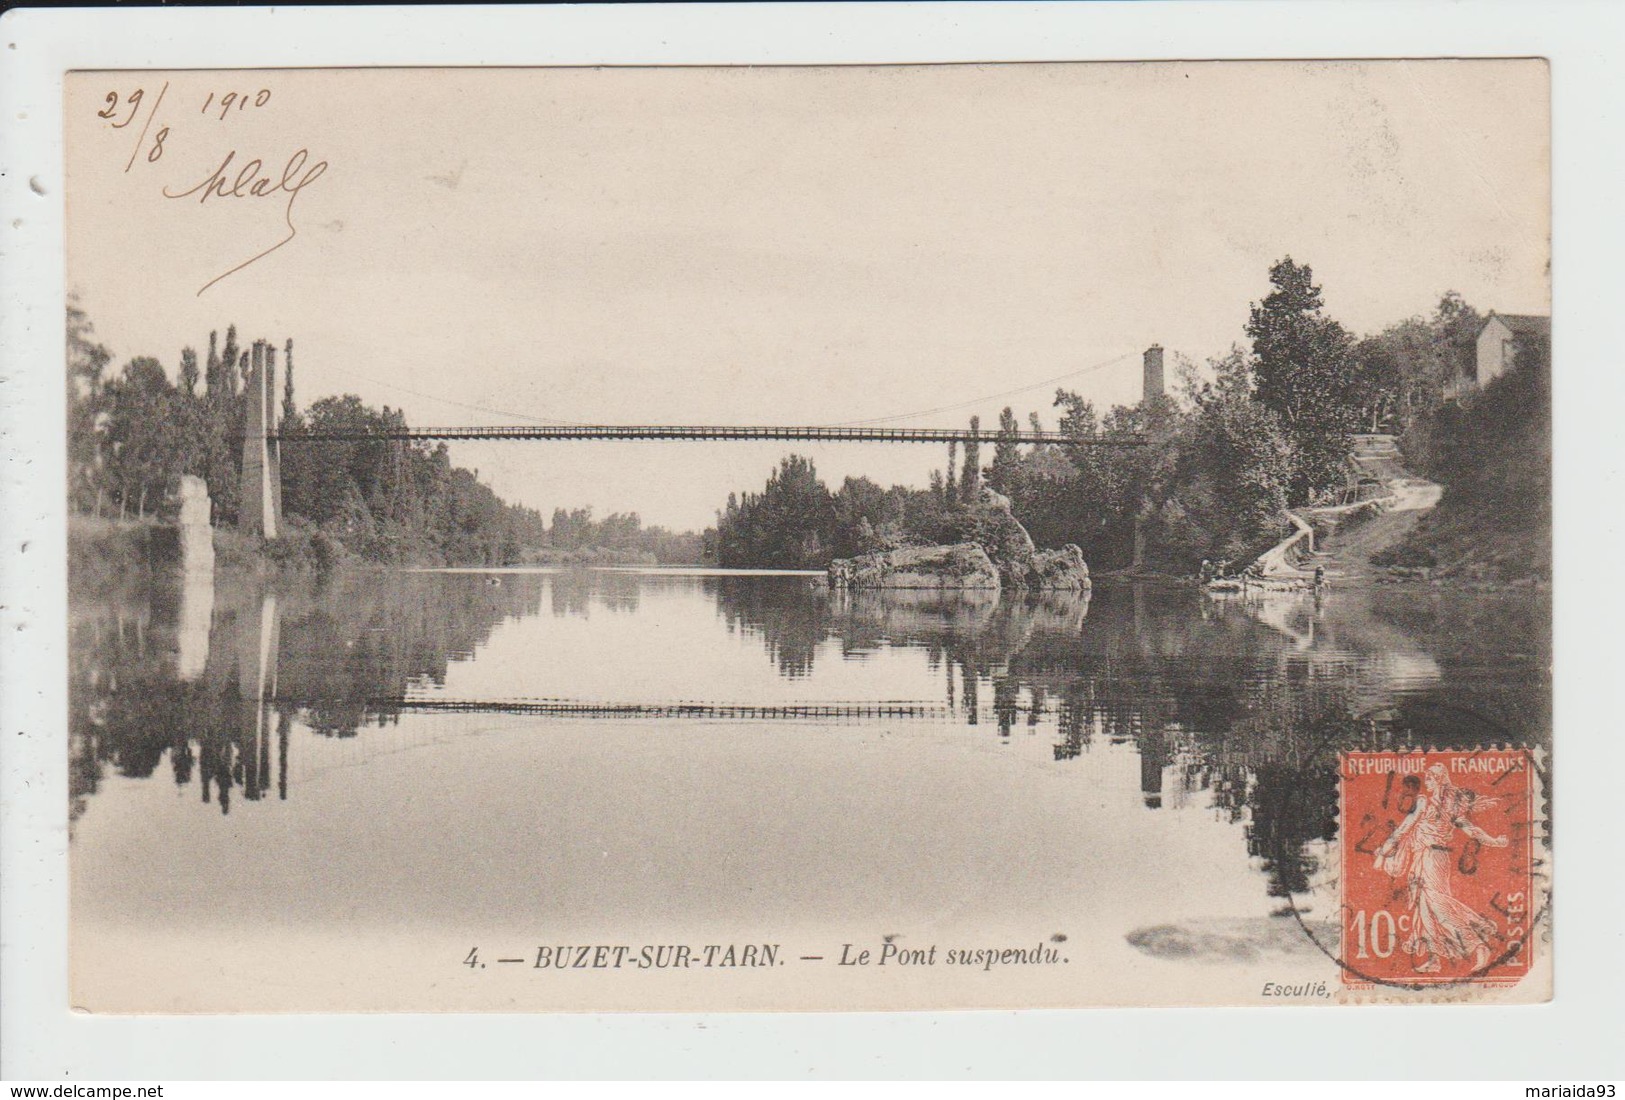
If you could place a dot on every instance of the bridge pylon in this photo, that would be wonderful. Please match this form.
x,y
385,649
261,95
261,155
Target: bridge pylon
x,y
260,510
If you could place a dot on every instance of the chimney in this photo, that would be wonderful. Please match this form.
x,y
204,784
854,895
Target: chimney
x,y
1153,372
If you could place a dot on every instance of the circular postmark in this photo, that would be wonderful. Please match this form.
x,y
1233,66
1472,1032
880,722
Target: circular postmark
x,y
1407,837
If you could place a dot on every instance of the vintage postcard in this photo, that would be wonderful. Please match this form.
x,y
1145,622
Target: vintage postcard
x,y
809,538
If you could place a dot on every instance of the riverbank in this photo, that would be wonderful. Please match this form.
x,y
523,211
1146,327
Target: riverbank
x,y
1420,532
1422,535
1492,454
106,554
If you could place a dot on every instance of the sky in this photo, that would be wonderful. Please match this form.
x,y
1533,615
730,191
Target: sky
x,y
783,245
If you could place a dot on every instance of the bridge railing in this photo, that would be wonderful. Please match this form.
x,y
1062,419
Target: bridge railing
x,y
705,432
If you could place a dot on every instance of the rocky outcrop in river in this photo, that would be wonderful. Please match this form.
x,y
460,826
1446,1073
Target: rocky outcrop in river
x,y
963,565
1000,554
1061,570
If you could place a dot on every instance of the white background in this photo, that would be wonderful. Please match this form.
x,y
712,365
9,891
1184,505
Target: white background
x,y
1574,1037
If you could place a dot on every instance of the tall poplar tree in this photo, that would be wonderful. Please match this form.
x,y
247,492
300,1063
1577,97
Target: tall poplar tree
x,y
211,369
288,408
1006,454
228,360
970,481
1303,370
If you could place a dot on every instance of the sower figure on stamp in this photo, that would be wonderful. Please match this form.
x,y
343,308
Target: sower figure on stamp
x,y
1441,925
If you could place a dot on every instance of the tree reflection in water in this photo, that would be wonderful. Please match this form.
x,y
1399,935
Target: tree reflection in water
x,y
340,656
1249,701
1242,706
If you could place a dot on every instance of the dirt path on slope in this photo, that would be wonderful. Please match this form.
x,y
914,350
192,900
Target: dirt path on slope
x,y
1346,554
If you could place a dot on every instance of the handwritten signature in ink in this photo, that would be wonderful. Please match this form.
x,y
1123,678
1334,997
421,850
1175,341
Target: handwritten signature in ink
x,y
252,181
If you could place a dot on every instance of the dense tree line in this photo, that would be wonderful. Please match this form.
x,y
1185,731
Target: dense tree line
x,y
796,522
1405,372
574,534
1261,430
134,433
395,501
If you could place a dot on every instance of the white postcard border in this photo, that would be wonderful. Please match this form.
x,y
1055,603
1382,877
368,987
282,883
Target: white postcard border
x,y
39,1038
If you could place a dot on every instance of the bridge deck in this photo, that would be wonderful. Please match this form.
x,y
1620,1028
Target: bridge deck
x,y
696,432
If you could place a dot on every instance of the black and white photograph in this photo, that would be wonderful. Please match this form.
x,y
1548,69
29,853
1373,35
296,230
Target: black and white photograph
x,y
827,537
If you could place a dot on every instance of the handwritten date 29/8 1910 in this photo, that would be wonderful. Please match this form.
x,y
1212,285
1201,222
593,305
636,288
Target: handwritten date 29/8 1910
x,y
231,178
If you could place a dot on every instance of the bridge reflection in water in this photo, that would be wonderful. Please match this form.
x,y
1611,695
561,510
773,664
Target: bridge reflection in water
x,y
708,433
1241,706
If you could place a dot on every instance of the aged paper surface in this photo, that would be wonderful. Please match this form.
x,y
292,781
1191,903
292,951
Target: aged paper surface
x,y
532,549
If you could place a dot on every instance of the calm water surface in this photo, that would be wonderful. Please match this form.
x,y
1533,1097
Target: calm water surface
x,y
578,756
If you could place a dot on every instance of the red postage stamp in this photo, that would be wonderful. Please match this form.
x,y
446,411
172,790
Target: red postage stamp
x,y
1438,867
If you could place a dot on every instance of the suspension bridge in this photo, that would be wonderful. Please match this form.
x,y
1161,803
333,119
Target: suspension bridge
x,y
261,511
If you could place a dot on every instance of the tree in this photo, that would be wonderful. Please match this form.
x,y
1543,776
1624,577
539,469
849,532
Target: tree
x,y
211,371
289,410
220,452
1233,470
87,361
1232,378
1492,452
134,435
189,375
144,434
866,518
1142,476
1406,370
1006,454
789,525
1106,505
228,361
1380,375
345,468
970,481
1455,327
1302,370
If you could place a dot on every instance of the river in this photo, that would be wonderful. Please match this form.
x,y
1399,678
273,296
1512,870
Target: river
x,y
322,795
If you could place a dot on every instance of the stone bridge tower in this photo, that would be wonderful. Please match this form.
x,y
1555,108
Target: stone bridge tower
x,y
260,511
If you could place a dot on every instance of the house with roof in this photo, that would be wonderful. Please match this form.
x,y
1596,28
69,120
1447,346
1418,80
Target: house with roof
x,y
1498,343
